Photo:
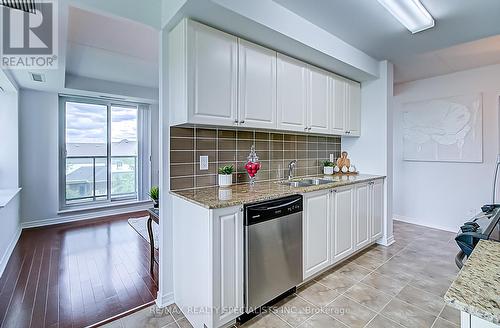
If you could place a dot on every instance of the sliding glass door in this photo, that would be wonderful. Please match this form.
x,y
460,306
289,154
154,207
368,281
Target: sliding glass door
x,y
99,151
123,152
86,150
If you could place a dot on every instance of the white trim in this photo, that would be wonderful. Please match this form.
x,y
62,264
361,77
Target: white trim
x,y
104,206
6,195
164,300
415,221
9,250
85,216
386,241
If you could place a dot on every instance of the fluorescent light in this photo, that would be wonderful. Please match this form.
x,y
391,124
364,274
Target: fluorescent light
x,y
411,13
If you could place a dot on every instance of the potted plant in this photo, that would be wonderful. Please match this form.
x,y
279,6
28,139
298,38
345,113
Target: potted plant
x,y
154,193
226,175
328,167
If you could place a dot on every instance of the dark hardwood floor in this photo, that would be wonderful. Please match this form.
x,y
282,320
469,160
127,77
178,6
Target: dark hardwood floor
x,y
76,274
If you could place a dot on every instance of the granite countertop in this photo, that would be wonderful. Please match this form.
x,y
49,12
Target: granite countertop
x,y
215,197
476,290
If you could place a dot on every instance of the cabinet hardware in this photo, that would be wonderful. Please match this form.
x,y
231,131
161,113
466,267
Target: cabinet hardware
x,y
305,129
235,121
241,122
309,128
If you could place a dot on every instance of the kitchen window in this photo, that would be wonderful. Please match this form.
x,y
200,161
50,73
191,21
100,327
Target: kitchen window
x,y
104,151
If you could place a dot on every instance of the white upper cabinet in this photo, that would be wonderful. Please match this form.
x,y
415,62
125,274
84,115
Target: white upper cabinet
x,y
362,215
257,86
212,64
346,117
292,94
316,232
353,124
338,91
217,79
209,57
377,209
319,106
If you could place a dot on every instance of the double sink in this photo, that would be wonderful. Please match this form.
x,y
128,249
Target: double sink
x,y
306,182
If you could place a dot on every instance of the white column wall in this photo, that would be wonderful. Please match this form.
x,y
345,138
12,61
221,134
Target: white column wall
x,y
372,153
166,285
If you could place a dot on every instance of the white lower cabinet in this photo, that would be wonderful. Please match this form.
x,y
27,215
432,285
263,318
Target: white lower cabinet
x,y
470,321
362,214
316,232
339,222
207,263
342,222
227,225
377,209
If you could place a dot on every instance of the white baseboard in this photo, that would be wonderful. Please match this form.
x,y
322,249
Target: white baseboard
x,y
415,221
84,216
386,241
164,300
8,251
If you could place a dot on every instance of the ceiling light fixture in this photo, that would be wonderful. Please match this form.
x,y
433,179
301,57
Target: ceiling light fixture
x,y
411,13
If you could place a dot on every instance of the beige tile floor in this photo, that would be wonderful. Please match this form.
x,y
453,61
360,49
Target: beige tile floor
x,y
397,286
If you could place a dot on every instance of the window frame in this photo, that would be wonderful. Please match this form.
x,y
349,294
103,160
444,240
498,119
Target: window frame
x,y
109,103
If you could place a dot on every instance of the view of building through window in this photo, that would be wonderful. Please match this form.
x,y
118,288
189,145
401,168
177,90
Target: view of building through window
x,y
88,156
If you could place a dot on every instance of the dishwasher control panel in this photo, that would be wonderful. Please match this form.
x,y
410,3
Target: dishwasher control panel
x,y
276,208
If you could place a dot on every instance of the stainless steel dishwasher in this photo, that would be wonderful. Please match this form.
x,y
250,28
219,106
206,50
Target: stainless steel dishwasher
x,y
273,249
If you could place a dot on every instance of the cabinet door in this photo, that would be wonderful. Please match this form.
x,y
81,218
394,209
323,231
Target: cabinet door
x,y
338,92
319,105
228,263
377,209
353,108
316,232
292,94
362,213
257,86
212,75
343,223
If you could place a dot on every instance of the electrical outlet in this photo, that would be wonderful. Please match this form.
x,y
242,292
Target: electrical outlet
x,y
203,163
332,159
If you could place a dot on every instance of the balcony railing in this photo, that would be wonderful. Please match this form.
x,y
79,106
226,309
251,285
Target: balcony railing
x,y
88,178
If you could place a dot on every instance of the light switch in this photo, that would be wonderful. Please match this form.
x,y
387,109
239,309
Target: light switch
x,y
203,163
332,159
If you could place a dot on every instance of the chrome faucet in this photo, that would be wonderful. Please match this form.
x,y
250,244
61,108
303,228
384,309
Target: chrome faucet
x,y
291,167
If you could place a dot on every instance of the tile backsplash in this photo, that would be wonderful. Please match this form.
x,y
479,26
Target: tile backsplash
x,y
231,147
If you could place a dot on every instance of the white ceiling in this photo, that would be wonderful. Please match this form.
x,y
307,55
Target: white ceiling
x,y
111,49
366,25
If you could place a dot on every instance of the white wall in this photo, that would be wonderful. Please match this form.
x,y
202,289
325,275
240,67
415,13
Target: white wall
x,y
372,152
9,168
166,278
10,231
38,154
9,173
39,158
439,194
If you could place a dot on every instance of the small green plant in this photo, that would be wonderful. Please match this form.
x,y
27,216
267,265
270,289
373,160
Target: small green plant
x,y
328,164
227,169
154,193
